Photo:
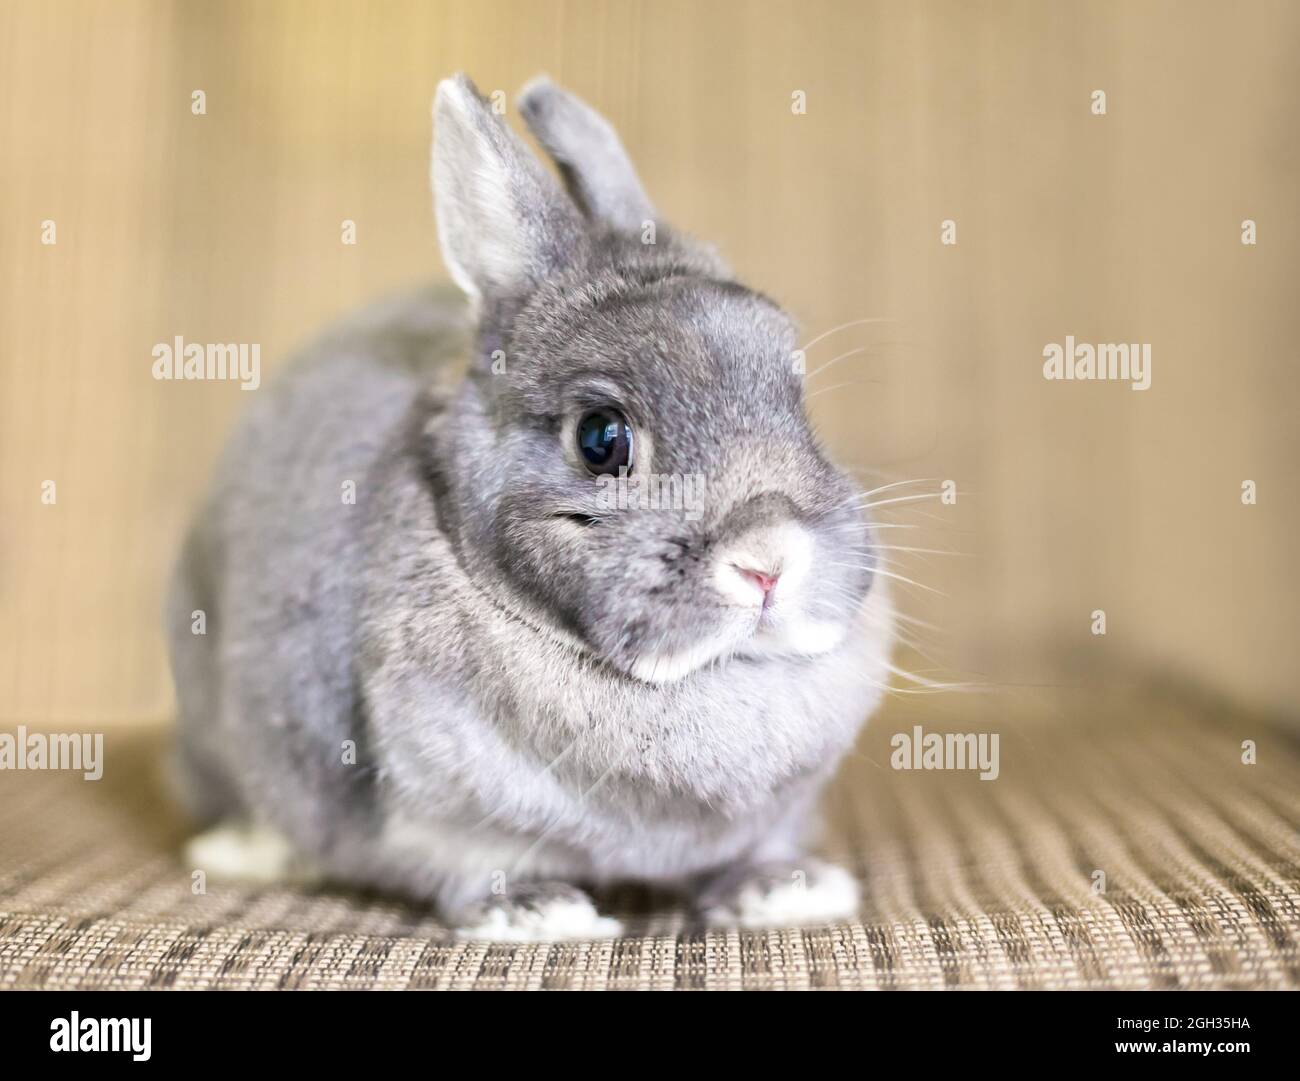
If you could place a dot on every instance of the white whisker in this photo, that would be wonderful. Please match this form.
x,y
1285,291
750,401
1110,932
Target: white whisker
x,y
889,574
926,551
899,499
844,326
841,386
836,360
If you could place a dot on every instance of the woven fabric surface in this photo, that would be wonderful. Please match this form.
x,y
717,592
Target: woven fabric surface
x,y
1124,844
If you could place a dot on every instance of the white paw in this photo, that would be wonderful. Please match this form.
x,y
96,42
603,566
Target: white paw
x,y
538,914
243,853
782,896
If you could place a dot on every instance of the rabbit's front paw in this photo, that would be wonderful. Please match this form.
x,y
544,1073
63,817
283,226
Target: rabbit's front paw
x,y
239,852
798,893
538,912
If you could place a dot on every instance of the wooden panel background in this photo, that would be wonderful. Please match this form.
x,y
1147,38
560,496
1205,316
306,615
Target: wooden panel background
x,y
226,227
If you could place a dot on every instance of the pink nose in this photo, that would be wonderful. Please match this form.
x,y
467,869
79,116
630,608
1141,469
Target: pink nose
x,y
765,582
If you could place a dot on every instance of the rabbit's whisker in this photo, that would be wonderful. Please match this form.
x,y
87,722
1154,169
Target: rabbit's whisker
x,y
841,386
845,356
897,499
896,484
889,574
845,326
925,551
923,681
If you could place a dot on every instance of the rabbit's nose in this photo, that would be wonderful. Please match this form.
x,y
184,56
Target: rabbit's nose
x,y
752,568
765,582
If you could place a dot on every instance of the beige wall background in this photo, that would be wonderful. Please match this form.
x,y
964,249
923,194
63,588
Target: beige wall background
x,y
1071,497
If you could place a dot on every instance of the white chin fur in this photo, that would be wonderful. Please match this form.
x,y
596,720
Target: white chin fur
x,y
795,635
670,667
788,635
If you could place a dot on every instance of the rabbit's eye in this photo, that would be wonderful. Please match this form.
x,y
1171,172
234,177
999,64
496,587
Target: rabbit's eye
x,y
605,441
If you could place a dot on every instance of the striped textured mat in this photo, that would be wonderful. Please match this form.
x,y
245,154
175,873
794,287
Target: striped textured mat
x,y
1126,842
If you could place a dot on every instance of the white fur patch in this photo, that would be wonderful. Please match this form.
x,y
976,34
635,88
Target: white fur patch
x,y
557,918
827,894
811,637
668,667
243,853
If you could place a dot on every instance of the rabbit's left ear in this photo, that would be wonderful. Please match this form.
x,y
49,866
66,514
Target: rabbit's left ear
x,y
595,167
504,223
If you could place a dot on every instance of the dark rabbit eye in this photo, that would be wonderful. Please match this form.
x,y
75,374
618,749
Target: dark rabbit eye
x,y
605,441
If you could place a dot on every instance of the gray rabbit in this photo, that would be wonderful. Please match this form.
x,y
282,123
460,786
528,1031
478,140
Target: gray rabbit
x,y
466,639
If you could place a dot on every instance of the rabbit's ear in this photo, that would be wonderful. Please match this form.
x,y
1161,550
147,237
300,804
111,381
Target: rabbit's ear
x,y
503,221
592,161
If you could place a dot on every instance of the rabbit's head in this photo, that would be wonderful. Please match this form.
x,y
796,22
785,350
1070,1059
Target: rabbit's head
x,y
629,458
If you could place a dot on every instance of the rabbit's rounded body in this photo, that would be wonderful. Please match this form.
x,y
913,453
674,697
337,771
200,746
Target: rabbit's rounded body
x,y
438,659
357,692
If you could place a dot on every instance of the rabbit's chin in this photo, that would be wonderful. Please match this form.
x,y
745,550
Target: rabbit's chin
x,y
793,635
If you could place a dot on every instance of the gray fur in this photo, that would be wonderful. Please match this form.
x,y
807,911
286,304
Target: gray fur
x,y
472,622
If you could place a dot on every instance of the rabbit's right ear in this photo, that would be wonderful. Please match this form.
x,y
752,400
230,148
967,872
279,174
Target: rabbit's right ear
x,y
591,158
504,224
